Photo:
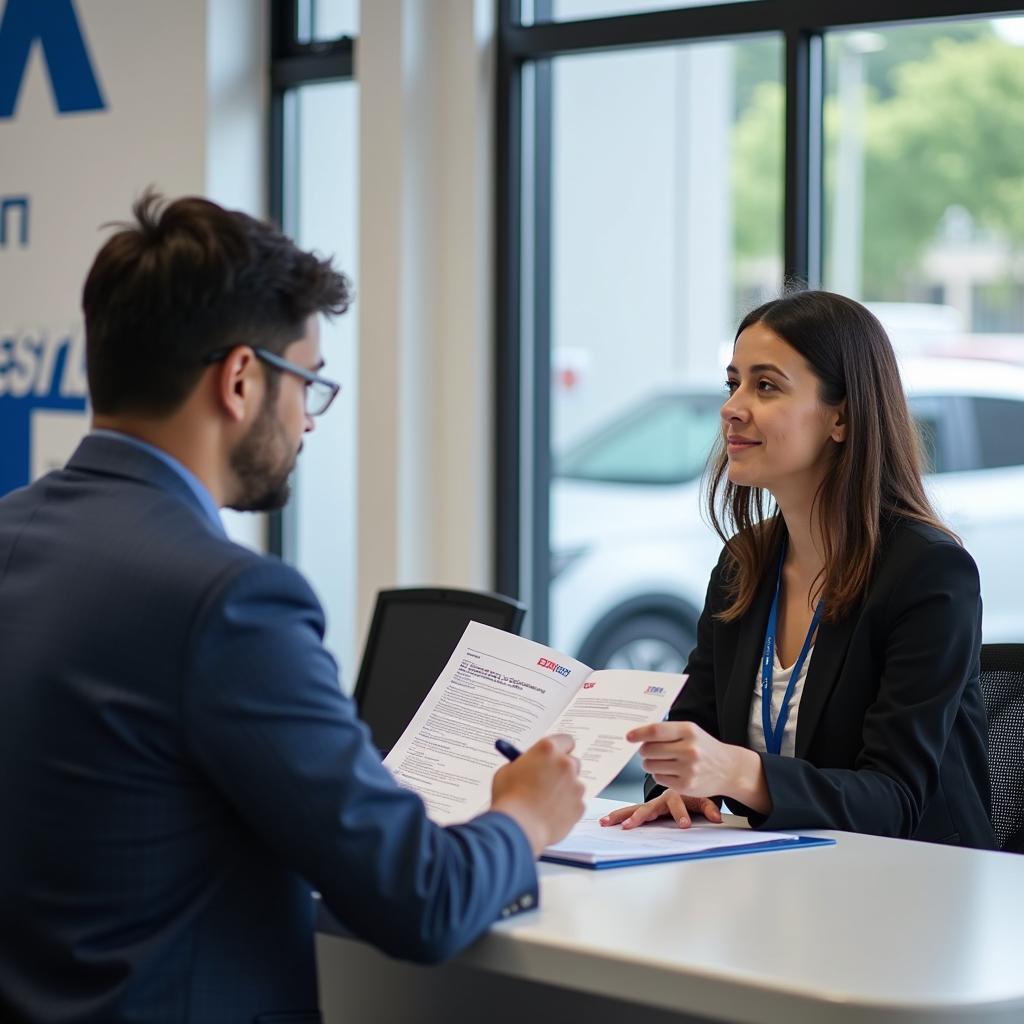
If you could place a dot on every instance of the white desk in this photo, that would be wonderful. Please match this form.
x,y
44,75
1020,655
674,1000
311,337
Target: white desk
x,y
871,929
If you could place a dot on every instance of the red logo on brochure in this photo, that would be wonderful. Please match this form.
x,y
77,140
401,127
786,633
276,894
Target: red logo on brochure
x,y
553,666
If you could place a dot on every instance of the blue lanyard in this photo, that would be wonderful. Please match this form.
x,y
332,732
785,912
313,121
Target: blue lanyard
x,y
773,736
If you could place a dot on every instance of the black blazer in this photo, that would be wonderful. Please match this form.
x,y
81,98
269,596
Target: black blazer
x,y
891,736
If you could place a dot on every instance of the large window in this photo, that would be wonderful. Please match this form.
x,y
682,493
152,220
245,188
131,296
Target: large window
x,y
666,220
315,190
664,170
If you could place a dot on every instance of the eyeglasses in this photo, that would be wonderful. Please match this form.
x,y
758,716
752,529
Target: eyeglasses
x,y
320,391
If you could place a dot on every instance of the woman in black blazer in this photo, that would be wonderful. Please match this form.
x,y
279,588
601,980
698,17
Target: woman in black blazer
x,y
836,566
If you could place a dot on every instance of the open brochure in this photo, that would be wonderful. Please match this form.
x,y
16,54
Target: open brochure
x,y
500,686
593,845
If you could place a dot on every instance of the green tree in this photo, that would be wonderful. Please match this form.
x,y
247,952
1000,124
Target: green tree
x,y
757,173
951,133
944,125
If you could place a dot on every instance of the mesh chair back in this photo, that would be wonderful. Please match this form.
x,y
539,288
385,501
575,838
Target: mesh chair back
x,y
412,635
1002,687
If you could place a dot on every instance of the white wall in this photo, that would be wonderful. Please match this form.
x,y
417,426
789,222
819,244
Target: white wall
x,y
426,238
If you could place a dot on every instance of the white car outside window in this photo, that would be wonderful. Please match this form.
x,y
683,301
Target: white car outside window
x,y
631,553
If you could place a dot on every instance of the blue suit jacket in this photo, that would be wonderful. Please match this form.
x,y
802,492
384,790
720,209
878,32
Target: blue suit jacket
x,y
178,767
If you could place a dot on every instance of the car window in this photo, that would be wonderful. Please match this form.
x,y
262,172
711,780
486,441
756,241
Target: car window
x,y
1000,426
665,441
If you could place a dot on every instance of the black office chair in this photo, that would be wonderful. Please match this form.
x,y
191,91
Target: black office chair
x,y
412,635
1002,688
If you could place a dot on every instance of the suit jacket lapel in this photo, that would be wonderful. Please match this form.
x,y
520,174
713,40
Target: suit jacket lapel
x,y
739,692
822,673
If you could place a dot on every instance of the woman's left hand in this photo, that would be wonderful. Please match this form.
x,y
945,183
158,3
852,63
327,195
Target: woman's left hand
x,y
683,757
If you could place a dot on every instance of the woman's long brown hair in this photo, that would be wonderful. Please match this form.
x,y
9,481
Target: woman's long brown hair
x,y
875,473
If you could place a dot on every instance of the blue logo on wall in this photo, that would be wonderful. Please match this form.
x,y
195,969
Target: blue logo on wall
x,y
38,373
55,25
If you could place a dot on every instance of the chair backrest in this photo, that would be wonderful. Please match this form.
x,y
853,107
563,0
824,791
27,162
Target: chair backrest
x,y
412,635
1002,688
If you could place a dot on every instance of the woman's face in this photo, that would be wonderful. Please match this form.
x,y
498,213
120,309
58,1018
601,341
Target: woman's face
x,y
778,432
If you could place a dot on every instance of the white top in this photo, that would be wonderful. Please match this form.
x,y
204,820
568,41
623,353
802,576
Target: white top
x,y
780,680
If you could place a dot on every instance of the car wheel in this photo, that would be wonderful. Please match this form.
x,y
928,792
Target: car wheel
x,y
654,643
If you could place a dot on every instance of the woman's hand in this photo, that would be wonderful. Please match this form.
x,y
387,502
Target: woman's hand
x,y
682,808
683,757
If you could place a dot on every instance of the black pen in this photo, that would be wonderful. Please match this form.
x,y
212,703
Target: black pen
x,y
506,749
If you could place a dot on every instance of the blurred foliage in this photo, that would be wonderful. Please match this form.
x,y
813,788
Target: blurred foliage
x,y
757,169
951,134
944,126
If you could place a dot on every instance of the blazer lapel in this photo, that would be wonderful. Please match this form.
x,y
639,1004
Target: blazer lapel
x,y
822,674
746,663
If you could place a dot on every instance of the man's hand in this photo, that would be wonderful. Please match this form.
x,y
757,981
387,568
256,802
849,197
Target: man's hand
x,y
541,790
682,808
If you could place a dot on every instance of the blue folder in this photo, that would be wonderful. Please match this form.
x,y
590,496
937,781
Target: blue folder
x,y
799,843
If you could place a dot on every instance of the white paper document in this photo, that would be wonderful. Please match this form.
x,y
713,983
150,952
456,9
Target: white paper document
x,y
500,686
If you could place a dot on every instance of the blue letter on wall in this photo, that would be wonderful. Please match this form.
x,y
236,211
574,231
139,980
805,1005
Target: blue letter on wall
x,y
55,25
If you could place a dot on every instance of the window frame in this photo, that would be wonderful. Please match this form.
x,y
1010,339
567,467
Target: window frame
x,y
522,388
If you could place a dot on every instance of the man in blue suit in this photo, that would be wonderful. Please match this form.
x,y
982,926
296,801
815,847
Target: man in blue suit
x,y
178,766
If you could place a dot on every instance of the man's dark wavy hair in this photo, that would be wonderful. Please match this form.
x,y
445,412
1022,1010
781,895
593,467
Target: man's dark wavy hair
x,y
184,279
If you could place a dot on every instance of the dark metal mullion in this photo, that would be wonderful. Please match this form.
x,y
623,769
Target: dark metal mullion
x,y
540,575
720,21
282,33
804,141
507,313
306,68
283,28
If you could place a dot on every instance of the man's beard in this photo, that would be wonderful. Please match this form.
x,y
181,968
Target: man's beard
x,y
261,472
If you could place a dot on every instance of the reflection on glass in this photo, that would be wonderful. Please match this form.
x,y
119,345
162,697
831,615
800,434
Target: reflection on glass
x,y
924,187
667,182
